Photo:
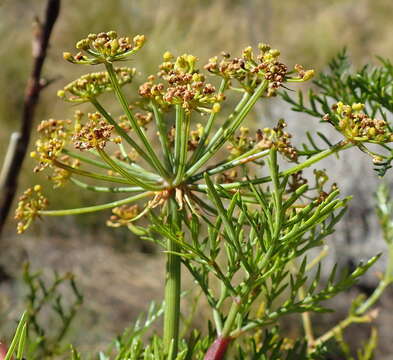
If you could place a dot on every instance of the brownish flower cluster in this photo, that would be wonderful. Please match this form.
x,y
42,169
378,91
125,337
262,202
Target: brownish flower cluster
x,y
89,86
94,134
357,126
54,135
29,205
123,215
143,118
186,86
278,138
249,70
104,47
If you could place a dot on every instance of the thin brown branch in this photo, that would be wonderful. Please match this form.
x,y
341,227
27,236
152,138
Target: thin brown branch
x,y
34,86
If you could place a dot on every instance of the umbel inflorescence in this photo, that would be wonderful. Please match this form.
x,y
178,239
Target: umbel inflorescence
x,y
180,87
180,146
179,90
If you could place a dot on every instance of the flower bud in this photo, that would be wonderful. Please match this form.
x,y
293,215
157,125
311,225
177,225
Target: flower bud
x,y
309,74
82,44
139,40
68,56
274,52
263,47
112,34
216,108
167,56
357,107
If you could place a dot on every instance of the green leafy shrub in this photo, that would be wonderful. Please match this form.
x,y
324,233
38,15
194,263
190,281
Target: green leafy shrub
x,y
244,227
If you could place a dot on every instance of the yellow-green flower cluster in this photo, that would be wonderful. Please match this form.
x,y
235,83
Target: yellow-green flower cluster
x,y
240,143
54,135
184,86
104,47
61,176
29,205
356,126
89,86
123,215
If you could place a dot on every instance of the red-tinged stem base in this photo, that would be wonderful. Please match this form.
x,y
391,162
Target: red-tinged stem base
x,y
3,351
218,349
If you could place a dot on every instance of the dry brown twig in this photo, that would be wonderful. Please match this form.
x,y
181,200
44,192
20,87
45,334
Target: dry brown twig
x,y
19,141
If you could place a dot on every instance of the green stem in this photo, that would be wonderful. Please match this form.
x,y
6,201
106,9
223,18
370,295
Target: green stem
x,y
312,160
135,170
383,284
172,286
230,164
229,127
162,134
89,174
124,103
121,131
94,208
86,159
340,327
134,180
277,195
234,310
106,188
178,135
208,127
181,166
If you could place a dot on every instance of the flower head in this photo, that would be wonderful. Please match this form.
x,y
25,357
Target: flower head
x,y
104,47
123,215
94,134
357,126
53,136
278,138
182,84
89,86
30,204
60,176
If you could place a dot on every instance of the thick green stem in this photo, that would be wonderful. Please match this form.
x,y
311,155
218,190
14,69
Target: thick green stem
x,y
228,325
172,286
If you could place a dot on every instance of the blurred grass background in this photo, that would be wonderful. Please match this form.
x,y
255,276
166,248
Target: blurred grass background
x,y
309,32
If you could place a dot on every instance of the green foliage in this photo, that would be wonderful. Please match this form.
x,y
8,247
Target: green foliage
x,y
246,239
371,86
44,297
